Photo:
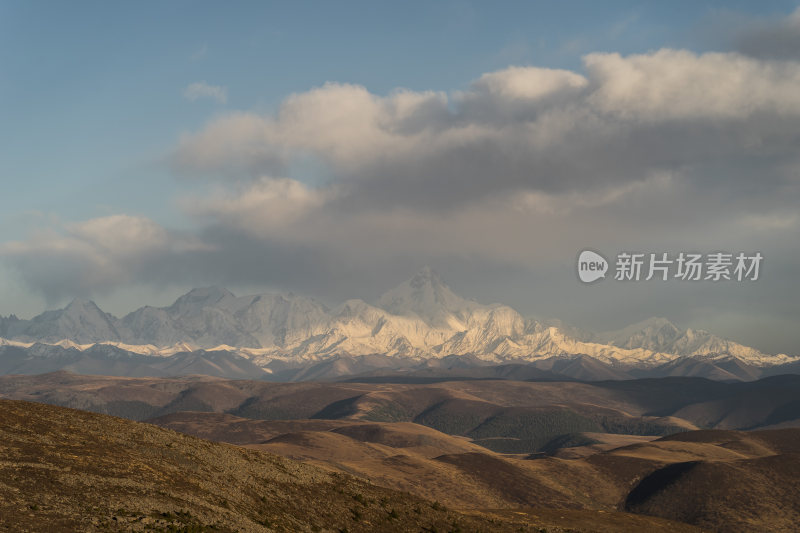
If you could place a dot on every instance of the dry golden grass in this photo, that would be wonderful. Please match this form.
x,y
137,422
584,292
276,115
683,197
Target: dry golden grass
x,y
590,486
68,470
366,430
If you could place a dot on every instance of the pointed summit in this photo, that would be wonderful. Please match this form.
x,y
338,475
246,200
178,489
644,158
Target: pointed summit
x,y
426,296
81,305
426,275
655,333
81,321
81,311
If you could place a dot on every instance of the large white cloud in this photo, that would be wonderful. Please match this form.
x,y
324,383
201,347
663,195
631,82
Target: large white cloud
x,y
521,128
677,84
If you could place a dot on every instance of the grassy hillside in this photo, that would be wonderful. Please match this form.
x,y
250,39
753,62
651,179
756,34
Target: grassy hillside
x,y
744,494
68,470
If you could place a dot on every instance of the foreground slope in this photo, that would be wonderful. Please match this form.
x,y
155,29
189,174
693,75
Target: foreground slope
x,y
68,470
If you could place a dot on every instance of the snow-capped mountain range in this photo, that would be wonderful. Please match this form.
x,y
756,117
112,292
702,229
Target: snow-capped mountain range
x,y
419,319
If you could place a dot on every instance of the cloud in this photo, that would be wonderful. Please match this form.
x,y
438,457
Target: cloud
x,y
772,222
237,144
552,204
266,206
95,255
774,38
680,85
522,128
201,89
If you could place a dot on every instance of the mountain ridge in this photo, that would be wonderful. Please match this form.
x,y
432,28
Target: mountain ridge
x,y
421,318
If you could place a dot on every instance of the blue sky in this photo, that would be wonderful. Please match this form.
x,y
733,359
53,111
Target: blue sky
x,y
94,107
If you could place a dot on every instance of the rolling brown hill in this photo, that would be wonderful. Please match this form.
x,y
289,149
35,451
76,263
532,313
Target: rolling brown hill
x,y
504,416
747,481
502,445
613,473
404,456
626,407
69,470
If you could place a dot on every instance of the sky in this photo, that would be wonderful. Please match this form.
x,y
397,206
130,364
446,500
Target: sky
x,y
333,149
